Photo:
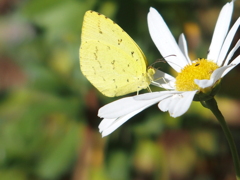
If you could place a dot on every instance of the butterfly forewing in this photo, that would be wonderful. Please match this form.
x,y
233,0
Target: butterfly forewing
x,y
109,58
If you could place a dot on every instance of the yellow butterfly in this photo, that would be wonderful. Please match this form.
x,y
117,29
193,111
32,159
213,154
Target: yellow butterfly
x,y
110,59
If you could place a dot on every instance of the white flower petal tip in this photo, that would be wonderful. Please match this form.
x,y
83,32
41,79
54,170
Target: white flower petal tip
x,y
220,31
178,103
105,123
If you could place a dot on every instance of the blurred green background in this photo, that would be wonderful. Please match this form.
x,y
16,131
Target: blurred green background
x,y
48,110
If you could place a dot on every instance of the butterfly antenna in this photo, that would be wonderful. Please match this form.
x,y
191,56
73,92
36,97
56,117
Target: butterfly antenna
x,y
162,59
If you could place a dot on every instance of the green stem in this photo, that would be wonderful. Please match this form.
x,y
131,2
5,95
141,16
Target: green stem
x,y
212,105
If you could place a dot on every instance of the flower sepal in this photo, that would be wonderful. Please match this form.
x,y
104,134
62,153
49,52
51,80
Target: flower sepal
x,y
207,93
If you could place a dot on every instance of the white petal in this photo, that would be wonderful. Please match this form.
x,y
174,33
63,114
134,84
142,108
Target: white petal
x,y
174,107
177,104
182,43
227,43
216,75
156,96
127,105
117,122
234,63
231,53
105,123
118,108
164,104
220,31
165,41
118,112
163,80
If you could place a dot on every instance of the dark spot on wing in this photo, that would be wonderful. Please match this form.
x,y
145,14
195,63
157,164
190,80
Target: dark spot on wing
x,y
119,41
95,53
95,56
94,71
113,62
99,26
132,53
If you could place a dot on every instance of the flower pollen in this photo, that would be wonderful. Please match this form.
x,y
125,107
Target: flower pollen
x,y
199,69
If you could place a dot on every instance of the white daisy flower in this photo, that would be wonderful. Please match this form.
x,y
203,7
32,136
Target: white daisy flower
x,y
196,80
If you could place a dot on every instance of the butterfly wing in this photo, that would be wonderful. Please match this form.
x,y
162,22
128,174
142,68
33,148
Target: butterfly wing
x,y
109,58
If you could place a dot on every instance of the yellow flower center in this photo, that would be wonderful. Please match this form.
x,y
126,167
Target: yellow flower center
x,y
200,69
